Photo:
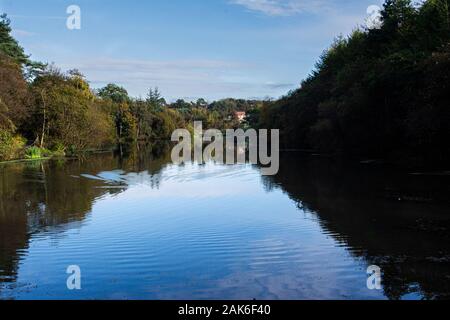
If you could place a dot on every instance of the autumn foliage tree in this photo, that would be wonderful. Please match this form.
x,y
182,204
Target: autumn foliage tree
x,y
67,114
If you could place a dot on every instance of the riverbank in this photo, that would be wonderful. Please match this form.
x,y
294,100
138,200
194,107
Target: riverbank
x,y
42,154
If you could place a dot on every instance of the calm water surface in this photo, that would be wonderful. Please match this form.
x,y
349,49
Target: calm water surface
x,y
142,228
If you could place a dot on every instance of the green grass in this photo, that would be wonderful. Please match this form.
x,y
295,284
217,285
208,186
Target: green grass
x,y
33,153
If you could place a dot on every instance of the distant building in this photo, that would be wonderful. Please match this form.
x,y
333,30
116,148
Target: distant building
x,y
240,115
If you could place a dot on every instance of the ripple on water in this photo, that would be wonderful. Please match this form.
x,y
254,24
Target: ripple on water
x,y
211,231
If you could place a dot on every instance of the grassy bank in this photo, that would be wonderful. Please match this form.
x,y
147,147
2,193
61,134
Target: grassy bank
x,y
33,153
19,152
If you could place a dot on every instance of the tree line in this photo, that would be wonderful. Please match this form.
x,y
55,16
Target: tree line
x,y
44,111
382,92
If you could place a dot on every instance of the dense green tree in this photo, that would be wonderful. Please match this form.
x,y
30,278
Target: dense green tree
x,y
181,104
121,110
154,100
11,48
114,93
125,123
8,45
66,113
201,103
378,92
14,95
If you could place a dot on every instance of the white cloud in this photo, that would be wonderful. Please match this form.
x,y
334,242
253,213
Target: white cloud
x,y
281,7
211,79
280,85
160,71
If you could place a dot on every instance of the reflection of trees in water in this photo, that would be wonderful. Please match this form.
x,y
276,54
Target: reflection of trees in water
x,y
146,160
408,239
36,196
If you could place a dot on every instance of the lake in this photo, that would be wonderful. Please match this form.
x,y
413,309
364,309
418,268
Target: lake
x,y
140,227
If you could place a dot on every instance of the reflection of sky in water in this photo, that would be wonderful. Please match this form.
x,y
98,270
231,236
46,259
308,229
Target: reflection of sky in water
x,y
189,232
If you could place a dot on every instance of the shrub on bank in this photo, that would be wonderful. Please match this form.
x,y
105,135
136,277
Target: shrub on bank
x,y
11,146
37,153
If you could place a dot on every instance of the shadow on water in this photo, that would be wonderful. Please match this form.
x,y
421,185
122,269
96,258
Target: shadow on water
x,y
395,220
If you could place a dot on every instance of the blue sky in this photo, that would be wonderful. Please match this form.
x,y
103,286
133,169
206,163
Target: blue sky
x,y
188,48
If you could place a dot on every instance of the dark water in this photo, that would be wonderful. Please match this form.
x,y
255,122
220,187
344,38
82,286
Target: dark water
x,y
142,228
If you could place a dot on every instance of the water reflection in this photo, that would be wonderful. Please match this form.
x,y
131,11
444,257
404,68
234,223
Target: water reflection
x,y
36,196
209,232
396,220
